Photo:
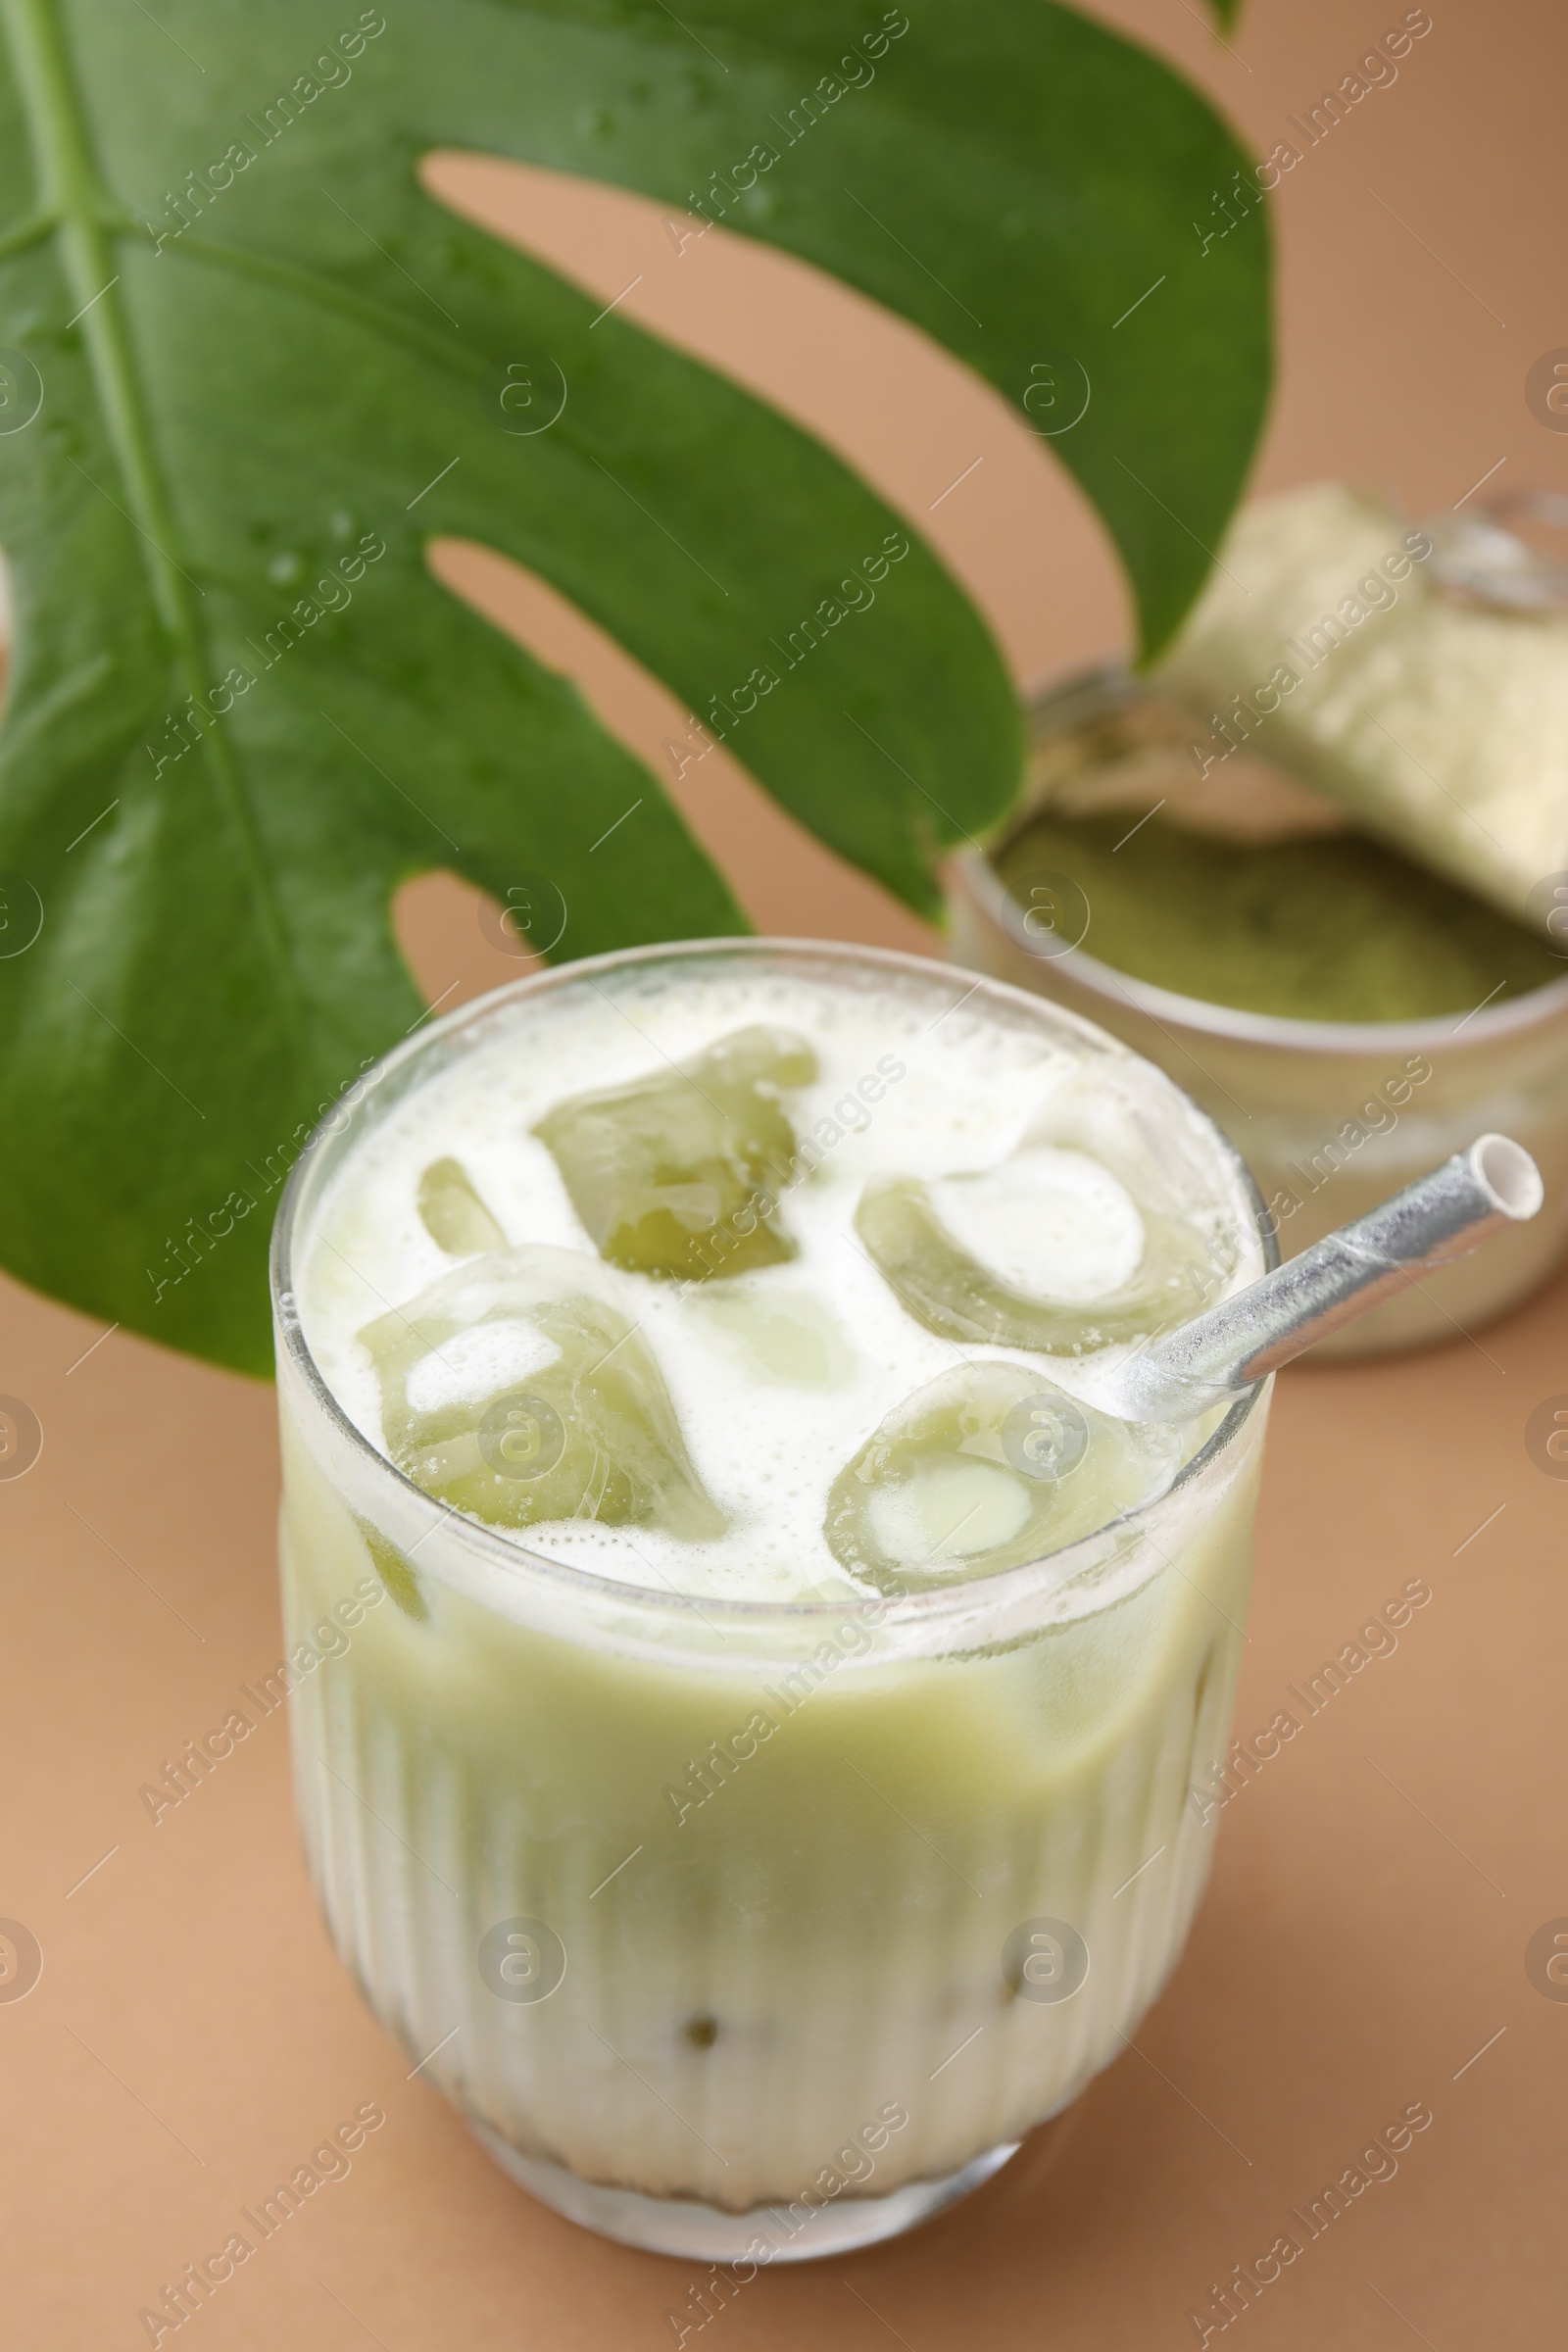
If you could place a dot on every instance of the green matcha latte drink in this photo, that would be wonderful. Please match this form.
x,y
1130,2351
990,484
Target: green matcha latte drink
x,y
753,1772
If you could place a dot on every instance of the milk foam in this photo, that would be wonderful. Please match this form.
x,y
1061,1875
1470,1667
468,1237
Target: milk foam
x,y
779,1375
1051,1224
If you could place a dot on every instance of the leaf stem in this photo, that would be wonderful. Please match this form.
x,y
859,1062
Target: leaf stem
x,y
74,201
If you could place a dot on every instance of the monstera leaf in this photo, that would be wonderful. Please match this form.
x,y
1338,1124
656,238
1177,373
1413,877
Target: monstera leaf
x,y
251,368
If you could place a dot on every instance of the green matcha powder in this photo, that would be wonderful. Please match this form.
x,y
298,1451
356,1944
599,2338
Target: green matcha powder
x,y
1325,927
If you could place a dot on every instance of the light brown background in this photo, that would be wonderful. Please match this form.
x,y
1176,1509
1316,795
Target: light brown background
x,y
192,2036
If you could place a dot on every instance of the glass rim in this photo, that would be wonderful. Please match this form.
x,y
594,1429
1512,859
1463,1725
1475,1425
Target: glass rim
x,y
1488,1025
499,1550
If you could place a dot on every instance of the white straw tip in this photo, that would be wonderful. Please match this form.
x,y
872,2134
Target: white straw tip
x,y
1508,1174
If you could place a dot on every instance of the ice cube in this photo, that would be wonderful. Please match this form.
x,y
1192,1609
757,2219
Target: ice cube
x,y
1073,1243
588,1432
480,1363
396,1573
678,1174
988,1466
789,1340
453,1214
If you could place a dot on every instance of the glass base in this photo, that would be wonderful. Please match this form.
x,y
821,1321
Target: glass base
x,y
680,2226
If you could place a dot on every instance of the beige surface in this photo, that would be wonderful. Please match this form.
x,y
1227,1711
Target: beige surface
x,y
192,2038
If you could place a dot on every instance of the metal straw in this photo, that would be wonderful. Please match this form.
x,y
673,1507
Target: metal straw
x,y
1212,1360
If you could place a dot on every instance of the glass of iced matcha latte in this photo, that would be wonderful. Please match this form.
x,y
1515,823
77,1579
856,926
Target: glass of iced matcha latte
x,y
750,1773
